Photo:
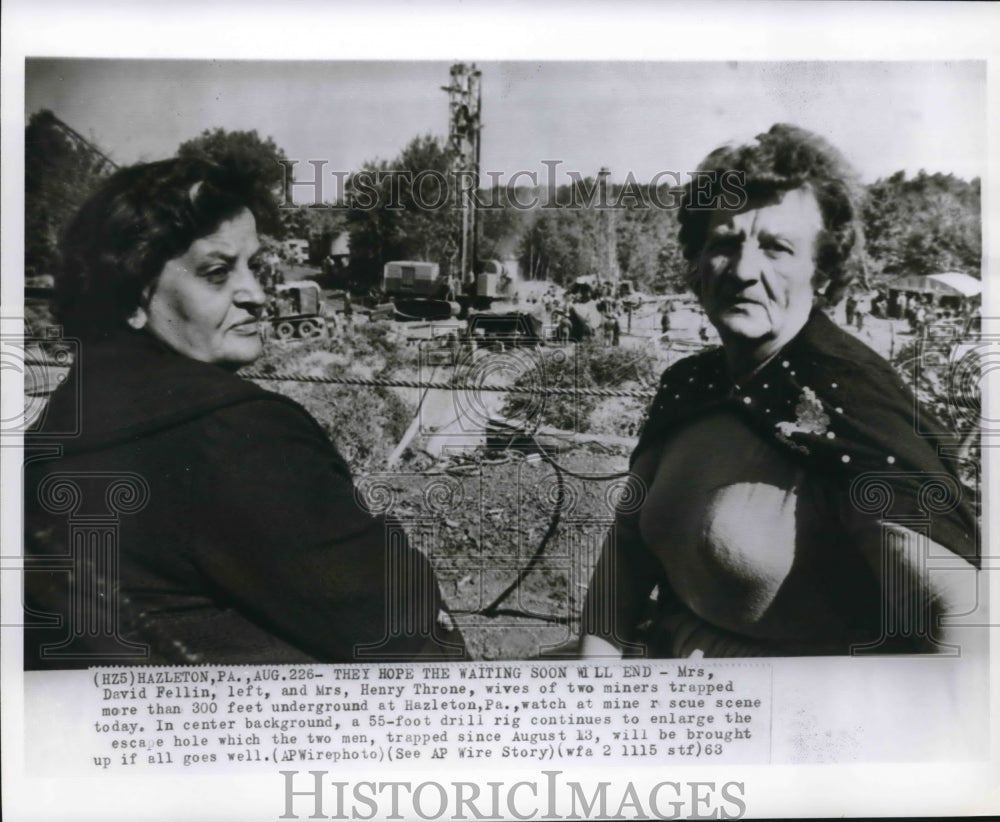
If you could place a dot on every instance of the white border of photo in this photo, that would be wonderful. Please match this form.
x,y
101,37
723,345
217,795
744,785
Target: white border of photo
x,y
536,30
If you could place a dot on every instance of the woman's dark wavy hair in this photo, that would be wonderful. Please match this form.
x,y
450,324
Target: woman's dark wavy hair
x,y
785,158
139,219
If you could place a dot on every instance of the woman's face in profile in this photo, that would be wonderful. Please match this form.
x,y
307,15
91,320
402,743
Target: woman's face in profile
x,y
206,302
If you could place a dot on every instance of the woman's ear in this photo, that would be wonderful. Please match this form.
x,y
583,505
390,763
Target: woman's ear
x,y
137,319
822,283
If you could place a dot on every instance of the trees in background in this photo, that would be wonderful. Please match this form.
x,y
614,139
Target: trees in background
x,y
558,235
922,225
575,236
649,253
389,214
925,225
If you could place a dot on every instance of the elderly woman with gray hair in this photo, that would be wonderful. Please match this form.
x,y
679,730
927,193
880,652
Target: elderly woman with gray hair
x,y
780,501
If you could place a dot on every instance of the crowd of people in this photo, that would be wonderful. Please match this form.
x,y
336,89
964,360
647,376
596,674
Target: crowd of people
x,y
920,311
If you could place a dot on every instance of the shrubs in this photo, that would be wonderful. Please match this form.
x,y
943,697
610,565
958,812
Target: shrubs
x,y
949,388
365,422
590,365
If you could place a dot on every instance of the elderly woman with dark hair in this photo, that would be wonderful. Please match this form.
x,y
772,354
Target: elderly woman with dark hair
x,y
780,501
239,536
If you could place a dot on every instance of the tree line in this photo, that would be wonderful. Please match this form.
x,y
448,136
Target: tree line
x,y
921,225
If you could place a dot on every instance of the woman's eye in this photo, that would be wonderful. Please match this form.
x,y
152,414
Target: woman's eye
x,y
217,274
775,247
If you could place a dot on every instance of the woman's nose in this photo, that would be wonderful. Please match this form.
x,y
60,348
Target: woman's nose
x,y
249,291
746,265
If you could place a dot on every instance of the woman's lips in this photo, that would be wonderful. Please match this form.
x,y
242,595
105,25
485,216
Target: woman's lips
x,y
738,302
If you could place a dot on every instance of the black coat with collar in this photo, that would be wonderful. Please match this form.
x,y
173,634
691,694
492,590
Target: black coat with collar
x,y
830,403
239,536
838,410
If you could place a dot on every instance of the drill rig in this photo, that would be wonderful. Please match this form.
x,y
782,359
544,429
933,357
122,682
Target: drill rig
x,y
419,289
464,135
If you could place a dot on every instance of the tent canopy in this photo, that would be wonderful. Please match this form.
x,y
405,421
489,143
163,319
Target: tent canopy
x,y
949,283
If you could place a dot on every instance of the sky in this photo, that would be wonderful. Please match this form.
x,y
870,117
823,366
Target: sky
x,y
634,117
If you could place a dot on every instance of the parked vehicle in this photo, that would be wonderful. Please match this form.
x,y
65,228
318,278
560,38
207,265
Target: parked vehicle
x,y
297,310
419,290
508,330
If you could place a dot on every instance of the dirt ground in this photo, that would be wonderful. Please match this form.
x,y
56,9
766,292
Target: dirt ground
x,y
482,519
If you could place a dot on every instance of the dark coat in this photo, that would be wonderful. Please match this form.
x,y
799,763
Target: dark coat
x,y
240,539
836,408
832,404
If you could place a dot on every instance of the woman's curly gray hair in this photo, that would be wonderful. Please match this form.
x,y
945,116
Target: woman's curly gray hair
x,y
785,158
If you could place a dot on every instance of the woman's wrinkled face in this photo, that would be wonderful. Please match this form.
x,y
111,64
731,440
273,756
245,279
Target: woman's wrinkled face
x,y
206,302
757,272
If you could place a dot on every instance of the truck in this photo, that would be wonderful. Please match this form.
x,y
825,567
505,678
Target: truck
x,y
419,290
414,278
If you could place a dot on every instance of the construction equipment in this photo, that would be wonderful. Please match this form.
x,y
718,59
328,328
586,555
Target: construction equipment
x,y
296,310
512,329
465,127
418,290
461,283
442,288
